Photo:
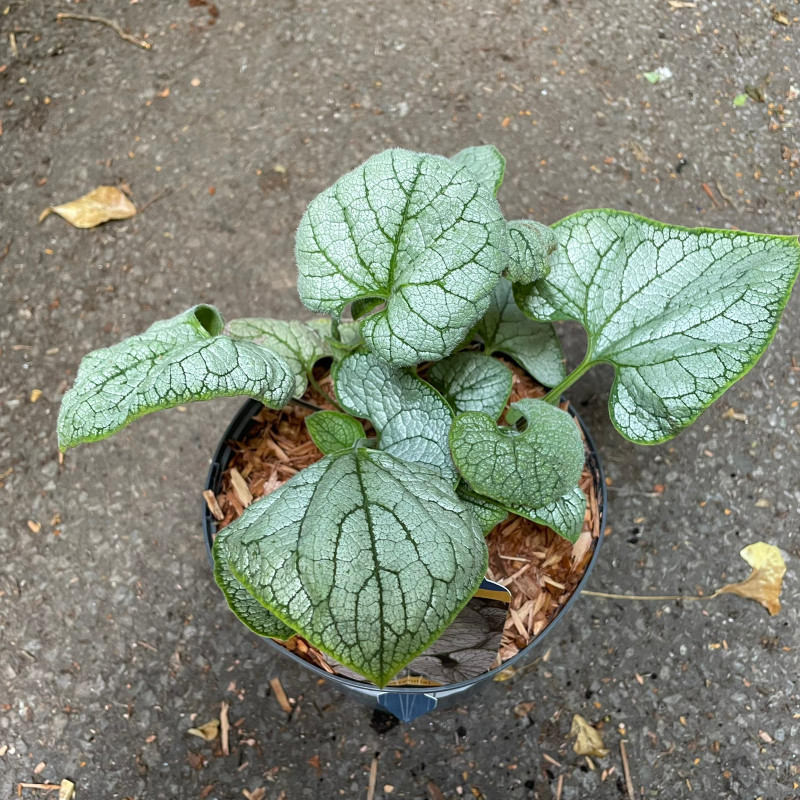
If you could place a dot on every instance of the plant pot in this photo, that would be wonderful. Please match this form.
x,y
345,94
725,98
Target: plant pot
x,y
406,703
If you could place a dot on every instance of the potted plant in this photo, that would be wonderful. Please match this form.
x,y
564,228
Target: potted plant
x,y
366,556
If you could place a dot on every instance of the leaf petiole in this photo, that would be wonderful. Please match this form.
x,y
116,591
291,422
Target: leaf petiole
x,y
554,395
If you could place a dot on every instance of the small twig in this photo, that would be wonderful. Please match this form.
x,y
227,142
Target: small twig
x,y
12,43
727,198
626,768
707,189
560,786
224,728
610,596
280,695
373,778
45,787
155,199
109,24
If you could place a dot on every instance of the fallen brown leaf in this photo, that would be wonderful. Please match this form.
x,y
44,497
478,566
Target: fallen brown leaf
x,y
764,583
66,791
781,17
209,731
100,205
588,741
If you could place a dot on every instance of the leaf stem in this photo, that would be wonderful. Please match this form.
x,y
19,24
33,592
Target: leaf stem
x,y
609,596
554,395
316,384
335,329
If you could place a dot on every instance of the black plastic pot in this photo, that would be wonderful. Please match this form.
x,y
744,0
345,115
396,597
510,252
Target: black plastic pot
x,y
406,703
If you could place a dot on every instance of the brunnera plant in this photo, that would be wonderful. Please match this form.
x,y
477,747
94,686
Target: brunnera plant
x,y
371,552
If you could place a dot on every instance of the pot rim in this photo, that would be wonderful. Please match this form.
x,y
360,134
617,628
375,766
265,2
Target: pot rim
x,y
239,426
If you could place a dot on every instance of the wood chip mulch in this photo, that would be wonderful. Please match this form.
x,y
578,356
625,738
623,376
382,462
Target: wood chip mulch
x,y
539,568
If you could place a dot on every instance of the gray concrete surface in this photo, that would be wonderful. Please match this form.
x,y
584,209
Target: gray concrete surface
x,y
113,634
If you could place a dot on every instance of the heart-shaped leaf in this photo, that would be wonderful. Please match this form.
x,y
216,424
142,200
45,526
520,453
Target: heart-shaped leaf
x,y
368,557
412,418
333,431
417,231
301,344
531,245
528,469
245,606
682,314
472,381
174,361
564,515
533,345
485,162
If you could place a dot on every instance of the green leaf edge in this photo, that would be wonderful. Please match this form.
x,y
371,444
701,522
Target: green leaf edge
x,y
789,239
218,579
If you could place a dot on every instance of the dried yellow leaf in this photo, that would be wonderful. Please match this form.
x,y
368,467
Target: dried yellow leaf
x,y
66,790
100,205
764,583
588,741
209,731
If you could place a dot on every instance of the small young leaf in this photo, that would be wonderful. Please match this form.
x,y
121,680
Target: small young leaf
x,y
534,346
415,230
174,361
682,314
488,513
472,381
302,344
485,162
531,245
532,468
740,100
368,557
333,431
249,611
412,418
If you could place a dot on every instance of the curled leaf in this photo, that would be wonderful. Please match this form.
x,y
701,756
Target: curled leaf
x,y
588,741
764,583
100,205
209,731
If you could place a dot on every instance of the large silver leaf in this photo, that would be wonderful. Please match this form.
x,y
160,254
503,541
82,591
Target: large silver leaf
x,y
366,556
533,345
174,361
681,313
412,418
415,230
